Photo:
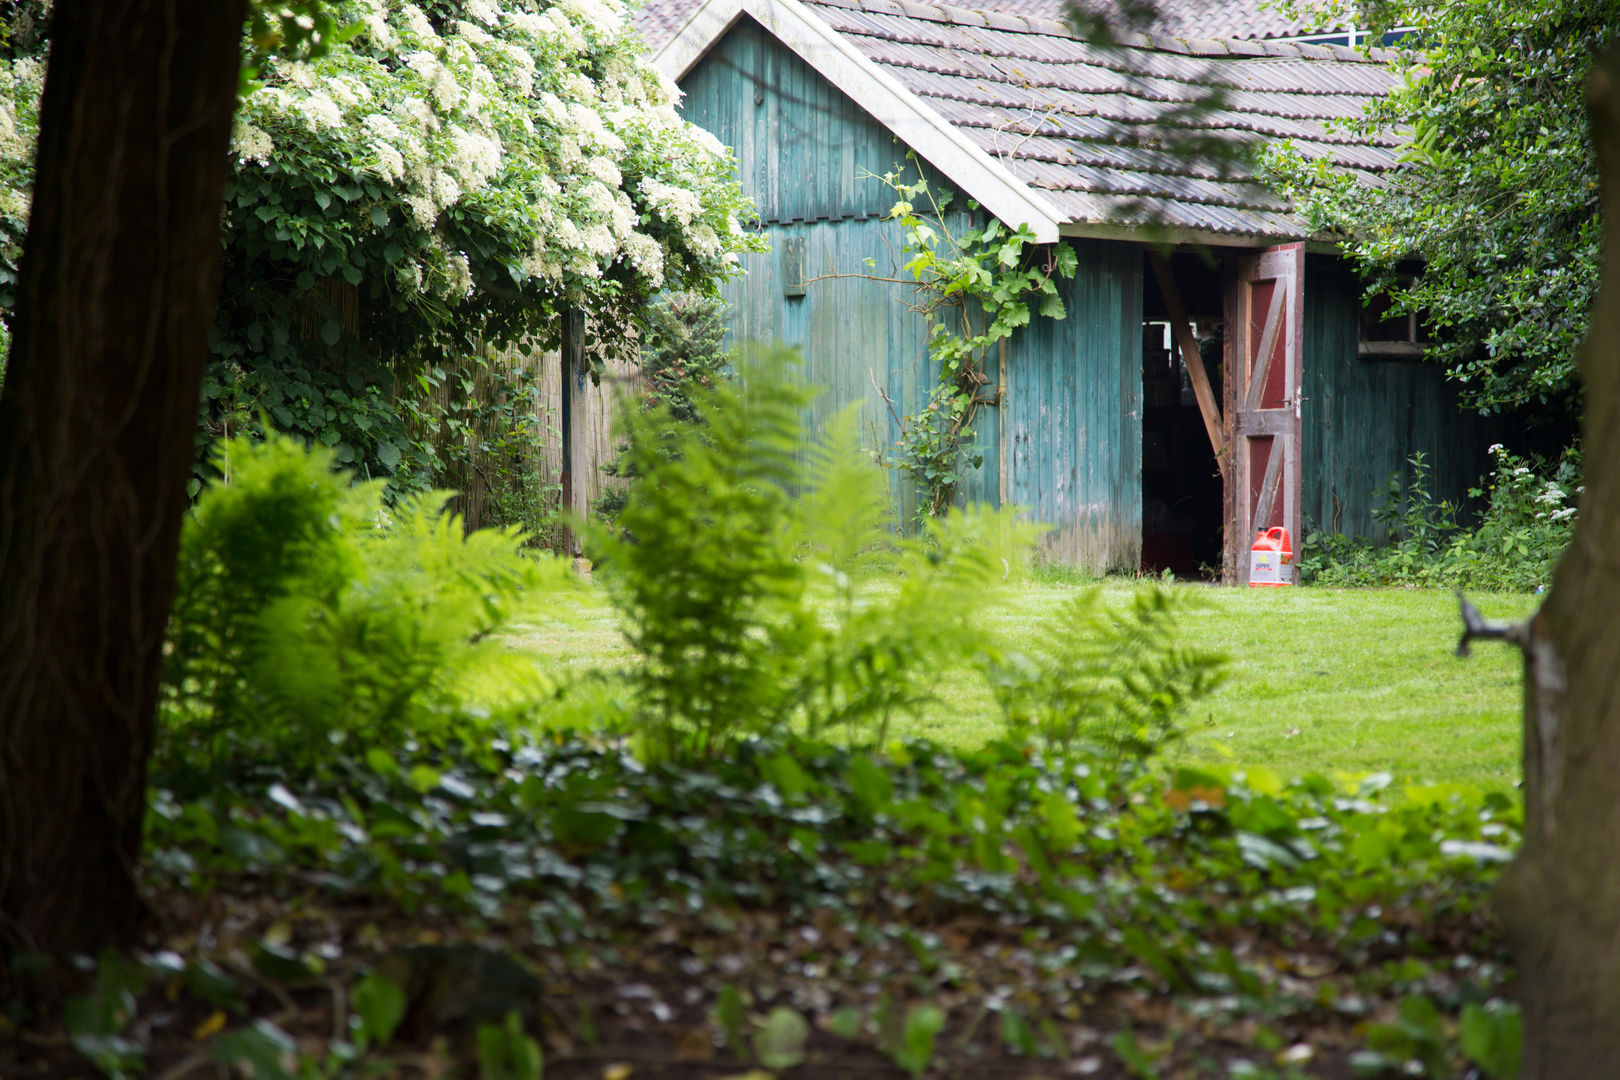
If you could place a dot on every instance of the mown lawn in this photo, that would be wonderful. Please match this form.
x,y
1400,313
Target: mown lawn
x,y
1322,680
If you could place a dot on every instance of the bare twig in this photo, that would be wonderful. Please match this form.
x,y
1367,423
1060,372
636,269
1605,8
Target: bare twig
x,y
1476,628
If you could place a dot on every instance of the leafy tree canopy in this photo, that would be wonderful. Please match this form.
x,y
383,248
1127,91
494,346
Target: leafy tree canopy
x,y
1498,196
439,175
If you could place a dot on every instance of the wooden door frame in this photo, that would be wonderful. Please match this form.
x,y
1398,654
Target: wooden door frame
x,y
1243,418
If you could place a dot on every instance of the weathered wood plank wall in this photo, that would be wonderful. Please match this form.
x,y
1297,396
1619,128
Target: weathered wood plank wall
x,y
1073,420
1363,418
543,455
1074,412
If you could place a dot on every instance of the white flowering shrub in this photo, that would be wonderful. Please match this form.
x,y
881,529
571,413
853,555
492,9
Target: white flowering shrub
x,y
21,82
457,171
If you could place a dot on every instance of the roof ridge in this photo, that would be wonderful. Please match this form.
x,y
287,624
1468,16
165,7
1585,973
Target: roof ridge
x,y
1212,47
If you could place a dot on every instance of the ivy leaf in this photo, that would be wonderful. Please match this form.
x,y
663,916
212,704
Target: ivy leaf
x,y
780,1043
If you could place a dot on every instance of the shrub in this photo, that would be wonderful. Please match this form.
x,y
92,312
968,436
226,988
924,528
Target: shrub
x,y
308,615
1527,522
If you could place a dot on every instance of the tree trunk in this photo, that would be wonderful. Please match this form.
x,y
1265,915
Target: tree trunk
x,y
1560,899
97,421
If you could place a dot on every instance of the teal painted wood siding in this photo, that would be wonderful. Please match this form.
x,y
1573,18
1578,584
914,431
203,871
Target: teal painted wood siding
x,y
1364,418
1074,412
802,145
1071,424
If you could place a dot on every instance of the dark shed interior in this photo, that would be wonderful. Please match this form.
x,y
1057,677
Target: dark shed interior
x,y
1181,483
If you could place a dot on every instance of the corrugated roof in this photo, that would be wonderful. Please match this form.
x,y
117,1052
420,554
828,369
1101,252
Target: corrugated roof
x,y
659,19
1128,134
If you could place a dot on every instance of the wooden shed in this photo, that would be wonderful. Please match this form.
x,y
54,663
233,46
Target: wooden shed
x,y
1215,373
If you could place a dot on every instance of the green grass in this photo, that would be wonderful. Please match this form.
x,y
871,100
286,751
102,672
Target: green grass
x,y
1322,680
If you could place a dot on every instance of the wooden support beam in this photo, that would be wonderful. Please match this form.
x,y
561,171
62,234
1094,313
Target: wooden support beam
x,y
1182,330
575,429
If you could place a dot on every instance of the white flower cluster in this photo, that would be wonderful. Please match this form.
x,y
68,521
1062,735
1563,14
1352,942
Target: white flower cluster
x,y
21,82
537,121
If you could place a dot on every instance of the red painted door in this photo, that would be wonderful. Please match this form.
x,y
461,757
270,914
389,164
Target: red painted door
x,y
1265,320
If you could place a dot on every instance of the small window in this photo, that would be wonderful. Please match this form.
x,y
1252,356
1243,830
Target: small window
x,y
1389,335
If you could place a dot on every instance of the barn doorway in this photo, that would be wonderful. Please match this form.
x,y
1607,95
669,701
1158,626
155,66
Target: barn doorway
x,y
1182,517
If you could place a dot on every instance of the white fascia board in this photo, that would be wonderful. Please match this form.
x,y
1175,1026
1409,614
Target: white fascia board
x,y
1173,236
978,175
701,31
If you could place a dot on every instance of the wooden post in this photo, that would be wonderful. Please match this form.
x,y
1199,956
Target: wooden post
x,y
1003,495
574,428
1188,347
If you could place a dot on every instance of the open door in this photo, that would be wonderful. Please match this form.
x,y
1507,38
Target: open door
x,y
1265,315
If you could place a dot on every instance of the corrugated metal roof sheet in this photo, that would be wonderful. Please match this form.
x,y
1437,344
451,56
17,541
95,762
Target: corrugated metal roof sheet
x,y
1128,134
657,20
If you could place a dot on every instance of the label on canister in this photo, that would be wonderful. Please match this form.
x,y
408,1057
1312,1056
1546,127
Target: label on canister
x,y
1265,568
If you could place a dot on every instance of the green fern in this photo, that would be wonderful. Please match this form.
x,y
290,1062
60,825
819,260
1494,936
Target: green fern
x,y
761,593
1114,682
309,616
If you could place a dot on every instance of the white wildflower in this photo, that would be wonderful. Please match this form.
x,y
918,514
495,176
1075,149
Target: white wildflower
x,y
418,24
556,110
708,143
379,126
579,90
320,112
459,274
446,192
525,22
604,170
624,215
390,162
381,34
446,90
347,92
251,143
647,257
603,16
423,210
598,198
585,266
473,33
704,241
672,203
522,68
476,159
564,32
484,11
424,63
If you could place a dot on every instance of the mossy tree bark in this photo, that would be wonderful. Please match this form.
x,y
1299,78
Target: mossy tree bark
x,y
97,422
1560,899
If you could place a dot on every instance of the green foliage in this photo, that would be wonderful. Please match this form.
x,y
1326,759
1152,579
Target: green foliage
x,y
1094,882
703,566
412,184
749,608
1498,194
1118,682
990,273
507,1052
1528,520
309,618
682,349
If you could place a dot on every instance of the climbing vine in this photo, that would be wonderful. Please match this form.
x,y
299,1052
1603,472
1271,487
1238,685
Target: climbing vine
x,y
976,287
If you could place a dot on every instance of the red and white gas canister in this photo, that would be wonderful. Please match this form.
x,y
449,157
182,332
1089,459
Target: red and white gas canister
x,y
1271,559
